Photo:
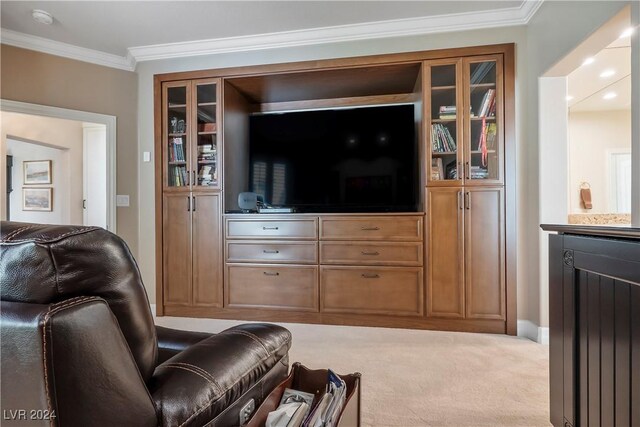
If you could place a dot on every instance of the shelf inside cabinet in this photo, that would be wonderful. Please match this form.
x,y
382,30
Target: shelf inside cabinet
x,y
442,120
177,134
206,104
208,133
487,118
443,87
178,163
480,152
481,85
443,153
177,105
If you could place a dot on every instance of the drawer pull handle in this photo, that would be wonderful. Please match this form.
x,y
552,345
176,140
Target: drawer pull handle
x,y
370,228
370,253
269,228
269,251
268,273
370,276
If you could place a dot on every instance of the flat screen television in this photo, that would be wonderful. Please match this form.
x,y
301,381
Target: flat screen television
x,y
338,160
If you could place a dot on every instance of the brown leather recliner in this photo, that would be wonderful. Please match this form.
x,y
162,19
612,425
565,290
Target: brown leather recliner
x,y
79,342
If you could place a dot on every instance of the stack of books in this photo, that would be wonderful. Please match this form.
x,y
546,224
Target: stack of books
x,y
441,139
178,177
447,112
488,104
478,172
206,177
176,152
207,153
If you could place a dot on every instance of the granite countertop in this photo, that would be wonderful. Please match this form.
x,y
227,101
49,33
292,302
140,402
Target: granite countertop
x,y
600,219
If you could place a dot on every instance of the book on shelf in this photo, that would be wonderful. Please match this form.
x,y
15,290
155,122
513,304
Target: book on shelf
x,y
176,150
478,172
178,176
437,169
488,134
441,139
447,112
488,104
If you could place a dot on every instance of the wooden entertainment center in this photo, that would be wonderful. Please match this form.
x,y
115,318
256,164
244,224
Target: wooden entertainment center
x,y
449,266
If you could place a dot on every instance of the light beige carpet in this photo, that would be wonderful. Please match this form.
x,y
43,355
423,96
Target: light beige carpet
x,y
424,378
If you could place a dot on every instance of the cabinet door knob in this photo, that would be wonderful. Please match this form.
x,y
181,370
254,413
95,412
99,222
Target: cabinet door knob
x,y
370,228
370,253
370,276
269,273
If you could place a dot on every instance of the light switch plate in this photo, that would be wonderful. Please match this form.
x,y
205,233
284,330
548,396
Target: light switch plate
x,y
146,156
122,200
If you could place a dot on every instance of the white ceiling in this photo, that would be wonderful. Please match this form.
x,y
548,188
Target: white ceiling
x,y
588,88
158,29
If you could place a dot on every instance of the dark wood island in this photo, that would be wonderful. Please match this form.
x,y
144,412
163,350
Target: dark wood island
x,y
594,321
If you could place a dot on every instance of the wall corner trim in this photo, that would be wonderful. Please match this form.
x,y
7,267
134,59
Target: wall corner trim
x,y
528,329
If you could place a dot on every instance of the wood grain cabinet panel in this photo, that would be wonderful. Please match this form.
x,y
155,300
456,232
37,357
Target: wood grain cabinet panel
x,y
484,253
176,248
269,286
395,228
272,252
445,249
373,290
207,250
272,229
371,253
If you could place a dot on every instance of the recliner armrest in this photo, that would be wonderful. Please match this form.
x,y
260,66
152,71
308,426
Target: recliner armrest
x,y
82,353
196,385
173,341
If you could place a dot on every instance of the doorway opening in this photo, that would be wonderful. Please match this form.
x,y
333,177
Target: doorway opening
x,y
60,166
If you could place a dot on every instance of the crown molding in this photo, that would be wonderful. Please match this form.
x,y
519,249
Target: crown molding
x,y
52,47
507,17
344,33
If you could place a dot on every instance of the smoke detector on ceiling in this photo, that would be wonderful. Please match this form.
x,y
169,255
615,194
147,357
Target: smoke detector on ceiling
x,y
42,16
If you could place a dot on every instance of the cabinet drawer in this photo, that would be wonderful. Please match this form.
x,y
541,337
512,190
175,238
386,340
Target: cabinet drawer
x,y
273,252
371,228
376,290
374,253
272,229
269,286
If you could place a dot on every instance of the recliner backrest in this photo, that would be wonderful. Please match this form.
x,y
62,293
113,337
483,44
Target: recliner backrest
x,y
45,264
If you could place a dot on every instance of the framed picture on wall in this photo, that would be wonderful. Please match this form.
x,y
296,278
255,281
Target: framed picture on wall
x,y
37,172
37,199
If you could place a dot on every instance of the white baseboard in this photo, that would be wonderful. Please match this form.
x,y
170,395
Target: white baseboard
x,y
528,329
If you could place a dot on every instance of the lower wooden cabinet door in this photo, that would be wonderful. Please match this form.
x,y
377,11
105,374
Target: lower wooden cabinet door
x,y
445,247
176,248
206,250
484,253
283,287
371,290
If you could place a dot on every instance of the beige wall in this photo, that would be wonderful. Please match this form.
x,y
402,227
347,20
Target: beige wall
x,y
38,78
593,136
57,138
553,32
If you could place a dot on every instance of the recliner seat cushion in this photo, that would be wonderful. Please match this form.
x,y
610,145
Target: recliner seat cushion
x,y
196,385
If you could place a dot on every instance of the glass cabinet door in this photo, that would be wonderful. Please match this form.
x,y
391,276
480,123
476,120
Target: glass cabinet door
x,y
175,136
484,129
206,149
444,119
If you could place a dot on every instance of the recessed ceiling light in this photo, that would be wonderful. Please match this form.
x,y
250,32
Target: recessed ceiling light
x,y
607,73
589,60
609,95
569,98
42,16
626,33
